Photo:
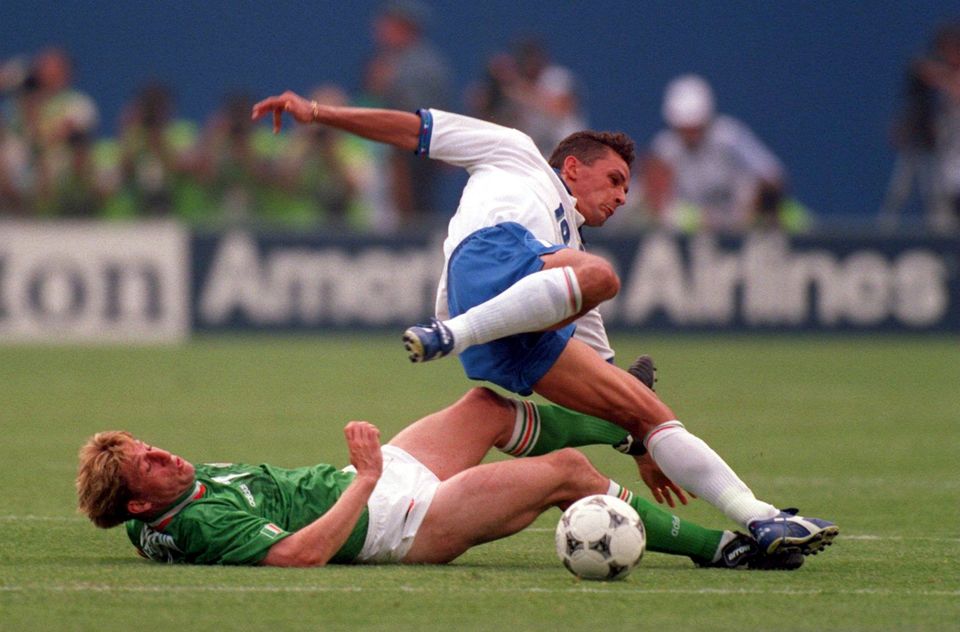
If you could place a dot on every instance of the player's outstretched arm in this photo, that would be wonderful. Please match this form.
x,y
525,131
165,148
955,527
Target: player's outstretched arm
x,y
318,542
393,127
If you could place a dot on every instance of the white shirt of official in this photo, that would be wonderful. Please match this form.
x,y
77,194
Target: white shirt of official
x,y
722,172
509,181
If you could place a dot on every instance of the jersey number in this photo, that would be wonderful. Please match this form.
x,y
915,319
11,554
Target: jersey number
x,y
564,224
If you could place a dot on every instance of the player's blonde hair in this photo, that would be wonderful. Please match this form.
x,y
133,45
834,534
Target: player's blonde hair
x,y
102,492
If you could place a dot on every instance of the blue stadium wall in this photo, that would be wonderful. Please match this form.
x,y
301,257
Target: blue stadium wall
x,y
818,81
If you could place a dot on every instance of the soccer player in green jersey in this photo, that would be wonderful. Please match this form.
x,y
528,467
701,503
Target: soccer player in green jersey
x,y
425,497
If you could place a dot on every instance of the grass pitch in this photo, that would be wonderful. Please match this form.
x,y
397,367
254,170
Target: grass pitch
x,y
861,431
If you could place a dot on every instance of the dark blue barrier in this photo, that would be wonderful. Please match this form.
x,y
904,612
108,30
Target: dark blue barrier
x,y
242,281
304,283
770,282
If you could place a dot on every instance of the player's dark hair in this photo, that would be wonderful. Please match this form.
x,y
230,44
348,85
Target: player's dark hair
x,y
588,146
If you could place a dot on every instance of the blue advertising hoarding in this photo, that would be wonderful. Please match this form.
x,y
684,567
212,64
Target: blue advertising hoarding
x,y
762,282
157,283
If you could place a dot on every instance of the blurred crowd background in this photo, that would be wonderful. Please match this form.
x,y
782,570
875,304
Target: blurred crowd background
x,y
67,151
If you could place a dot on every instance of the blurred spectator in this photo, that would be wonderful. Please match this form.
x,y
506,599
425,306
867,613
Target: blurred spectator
x,y
709,171
374,190
21,146
237,163
327,168
914,139
941,72
527,91
74,187
487,98
14,172
412,74
64,110
154,168
60,124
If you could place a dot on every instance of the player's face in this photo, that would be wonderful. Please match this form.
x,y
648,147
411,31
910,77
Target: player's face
x,y
600,188
155,476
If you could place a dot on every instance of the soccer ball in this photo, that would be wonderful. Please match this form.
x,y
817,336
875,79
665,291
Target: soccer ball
x,y
600,537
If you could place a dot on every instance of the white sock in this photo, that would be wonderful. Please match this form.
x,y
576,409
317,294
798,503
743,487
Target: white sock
x,y
621,492
694,466
526,429
534,303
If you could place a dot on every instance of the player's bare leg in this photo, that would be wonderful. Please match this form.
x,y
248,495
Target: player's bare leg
x,y
582,380
459,436
494,500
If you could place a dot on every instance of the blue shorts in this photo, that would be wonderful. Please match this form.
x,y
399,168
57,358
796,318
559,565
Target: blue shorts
x,y
483,265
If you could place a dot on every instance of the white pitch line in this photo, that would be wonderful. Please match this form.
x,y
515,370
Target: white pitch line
x,y
626,590
31,518
842,536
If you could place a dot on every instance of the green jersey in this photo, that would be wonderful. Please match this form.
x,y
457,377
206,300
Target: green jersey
x,y
234,513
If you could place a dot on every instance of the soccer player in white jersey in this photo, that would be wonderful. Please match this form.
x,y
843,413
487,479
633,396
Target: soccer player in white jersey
x,y
517,278
424,497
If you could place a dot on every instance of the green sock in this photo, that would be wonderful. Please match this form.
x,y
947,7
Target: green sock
x,y
543,428
667,533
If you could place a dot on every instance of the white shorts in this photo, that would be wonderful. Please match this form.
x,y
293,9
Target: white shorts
x,y
397,506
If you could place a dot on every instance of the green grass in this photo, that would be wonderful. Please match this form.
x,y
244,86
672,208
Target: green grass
x,y
862,431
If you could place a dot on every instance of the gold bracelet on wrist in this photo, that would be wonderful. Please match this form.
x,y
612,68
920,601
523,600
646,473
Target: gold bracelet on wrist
x,y
315,111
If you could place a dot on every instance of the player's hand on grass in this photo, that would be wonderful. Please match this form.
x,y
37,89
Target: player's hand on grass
x,y
363,443
662,487
290,102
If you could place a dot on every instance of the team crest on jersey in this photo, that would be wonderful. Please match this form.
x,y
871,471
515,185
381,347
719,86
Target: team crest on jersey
x,y
159,547
271,530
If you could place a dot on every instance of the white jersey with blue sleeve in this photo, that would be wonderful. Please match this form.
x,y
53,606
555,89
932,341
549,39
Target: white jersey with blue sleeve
x,y
510,181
